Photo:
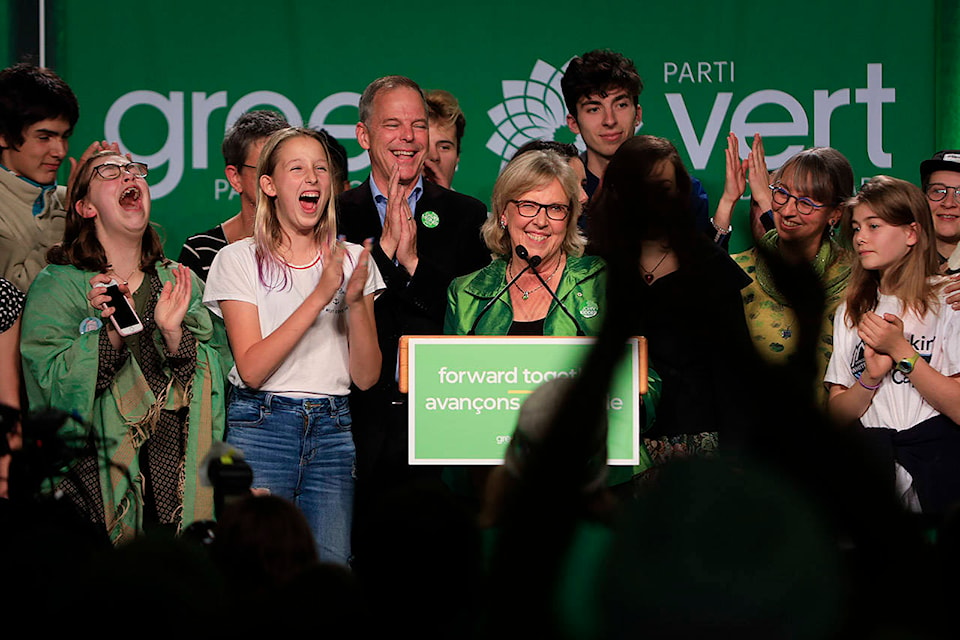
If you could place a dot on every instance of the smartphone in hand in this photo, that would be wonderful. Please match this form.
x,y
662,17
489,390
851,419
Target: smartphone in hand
x,y
124,318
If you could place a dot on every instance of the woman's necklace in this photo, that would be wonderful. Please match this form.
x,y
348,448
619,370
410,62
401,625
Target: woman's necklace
x,y
526,294
648,275
123,280
305,266
289,256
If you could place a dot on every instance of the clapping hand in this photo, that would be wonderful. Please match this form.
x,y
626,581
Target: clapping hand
x,y
882,338
331,255
399,237
735,178
172,307
758,176
395,215
358,279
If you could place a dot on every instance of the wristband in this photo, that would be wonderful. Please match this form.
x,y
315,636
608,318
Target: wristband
x,y
865,385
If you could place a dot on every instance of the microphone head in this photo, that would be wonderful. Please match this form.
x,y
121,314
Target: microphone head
x,y
535,261
220,453
522,252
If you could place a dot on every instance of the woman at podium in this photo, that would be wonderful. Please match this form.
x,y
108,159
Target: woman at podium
x,y
539,282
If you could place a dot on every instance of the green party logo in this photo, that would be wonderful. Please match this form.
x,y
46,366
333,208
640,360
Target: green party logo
x,y
589,309
430,219
534,109
531,110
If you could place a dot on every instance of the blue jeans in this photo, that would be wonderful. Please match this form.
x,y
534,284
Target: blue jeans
x,y
300,449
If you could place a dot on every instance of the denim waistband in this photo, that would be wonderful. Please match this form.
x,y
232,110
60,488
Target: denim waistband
x,y
270,399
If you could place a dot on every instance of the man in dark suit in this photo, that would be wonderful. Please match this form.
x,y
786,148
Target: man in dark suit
x,y
425,236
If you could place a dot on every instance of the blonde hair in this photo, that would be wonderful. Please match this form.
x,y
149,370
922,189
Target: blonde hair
x,y
267,232
898,203
528,172
444,109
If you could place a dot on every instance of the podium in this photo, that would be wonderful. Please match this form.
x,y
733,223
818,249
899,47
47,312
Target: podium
x,y
465,392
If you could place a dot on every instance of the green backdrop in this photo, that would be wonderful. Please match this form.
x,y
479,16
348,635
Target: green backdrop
x,y
165,78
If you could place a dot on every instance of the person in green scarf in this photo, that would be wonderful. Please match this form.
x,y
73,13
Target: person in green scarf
x,y
147,405
806,197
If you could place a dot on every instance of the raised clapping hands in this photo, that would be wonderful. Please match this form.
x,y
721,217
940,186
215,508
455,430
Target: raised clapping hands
x,y
735,178
753,171
172,307
757,174
331,255
882,338
399,237
358,279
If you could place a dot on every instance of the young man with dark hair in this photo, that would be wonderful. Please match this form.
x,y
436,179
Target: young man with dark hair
x,y
601,90
241,150
447,124
38,112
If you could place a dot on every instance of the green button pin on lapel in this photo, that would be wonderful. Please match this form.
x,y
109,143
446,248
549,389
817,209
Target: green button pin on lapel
x,y
430,219
589,309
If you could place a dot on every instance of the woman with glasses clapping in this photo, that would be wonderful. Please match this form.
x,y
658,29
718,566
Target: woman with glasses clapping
x,y
116,335
806,200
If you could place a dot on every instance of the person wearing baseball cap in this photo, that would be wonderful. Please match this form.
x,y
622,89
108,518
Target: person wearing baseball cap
x,y
940,178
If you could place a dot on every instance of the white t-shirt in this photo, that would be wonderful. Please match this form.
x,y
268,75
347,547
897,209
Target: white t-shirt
x,y
319,363
897,404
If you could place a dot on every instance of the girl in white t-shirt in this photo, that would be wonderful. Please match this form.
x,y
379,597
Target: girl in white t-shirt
x,y
896,345
298,309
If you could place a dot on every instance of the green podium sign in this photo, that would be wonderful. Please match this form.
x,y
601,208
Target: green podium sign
x,y
465,394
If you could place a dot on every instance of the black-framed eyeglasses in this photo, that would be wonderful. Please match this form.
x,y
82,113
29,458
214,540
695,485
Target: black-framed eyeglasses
x,y
781,196
249,166
937,192
112,170
530,209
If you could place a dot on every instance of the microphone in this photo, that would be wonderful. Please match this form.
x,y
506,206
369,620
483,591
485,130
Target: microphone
x,y
533,261
523,254
224,469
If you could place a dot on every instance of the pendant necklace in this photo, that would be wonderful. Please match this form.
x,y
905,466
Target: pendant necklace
x,y
125,281
526,294
648,275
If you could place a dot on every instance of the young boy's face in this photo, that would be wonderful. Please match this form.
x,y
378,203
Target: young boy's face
x,y
605,121
946,212
43,149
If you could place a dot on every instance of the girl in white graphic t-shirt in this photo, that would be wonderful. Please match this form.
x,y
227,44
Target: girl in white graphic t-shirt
x,y
896,348
298,309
